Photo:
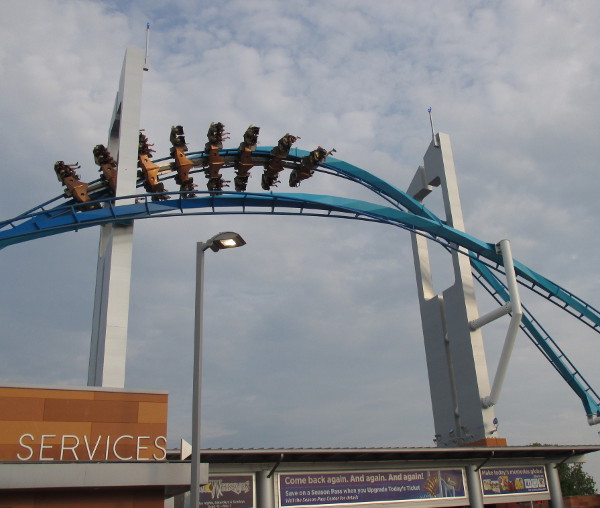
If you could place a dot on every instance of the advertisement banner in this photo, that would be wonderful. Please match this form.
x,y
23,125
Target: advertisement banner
x,y
358,487
228,491
513,480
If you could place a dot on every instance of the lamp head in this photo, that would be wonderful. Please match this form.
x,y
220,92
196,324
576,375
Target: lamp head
x,y
225,240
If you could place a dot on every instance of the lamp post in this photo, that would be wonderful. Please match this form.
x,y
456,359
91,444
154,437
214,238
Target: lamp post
x,y
225,240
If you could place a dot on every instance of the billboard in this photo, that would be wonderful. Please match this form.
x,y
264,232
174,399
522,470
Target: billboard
x,y
360,487
513,480
228,491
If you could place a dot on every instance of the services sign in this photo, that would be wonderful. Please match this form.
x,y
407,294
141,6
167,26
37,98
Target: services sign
x,y
359,487
82,424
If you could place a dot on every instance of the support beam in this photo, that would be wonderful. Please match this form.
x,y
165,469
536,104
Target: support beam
x,y
113,276
513,327
556,497
456,364
474,487
265,490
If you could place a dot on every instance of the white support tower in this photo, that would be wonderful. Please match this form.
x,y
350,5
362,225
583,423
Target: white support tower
x,y
113,276
457,368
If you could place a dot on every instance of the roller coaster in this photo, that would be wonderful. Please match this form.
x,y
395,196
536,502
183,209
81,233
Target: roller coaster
x,y
86,205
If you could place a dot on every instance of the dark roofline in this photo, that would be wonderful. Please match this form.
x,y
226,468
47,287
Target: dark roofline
x,y
297,455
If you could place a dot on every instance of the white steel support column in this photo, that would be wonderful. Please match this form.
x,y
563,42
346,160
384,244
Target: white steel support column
x,y
514,307
113,276
457,368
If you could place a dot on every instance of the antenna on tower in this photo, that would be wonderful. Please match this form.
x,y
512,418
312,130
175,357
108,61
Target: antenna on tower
x,y
146,57
432,130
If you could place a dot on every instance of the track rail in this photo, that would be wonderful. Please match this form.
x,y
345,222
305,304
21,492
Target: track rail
x,y
398,209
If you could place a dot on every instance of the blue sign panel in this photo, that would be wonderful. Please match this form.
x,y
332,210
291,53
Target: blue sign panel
x,y
358,487
513,480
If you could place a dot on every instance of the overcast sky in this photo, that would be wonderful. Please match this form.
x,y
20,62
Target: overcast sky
x,y
312,330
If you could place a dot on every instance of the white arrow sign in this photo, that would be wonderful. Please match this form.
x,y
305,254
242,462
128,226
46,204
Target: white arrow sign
x,y
186,449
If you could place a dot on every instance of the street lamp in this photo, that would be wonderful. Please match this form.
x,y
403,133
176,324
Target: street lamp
x,y
225,240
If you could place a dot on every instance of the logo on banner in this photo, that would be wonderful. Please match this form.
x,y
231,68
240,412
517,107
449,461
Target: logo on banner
x,y
228,491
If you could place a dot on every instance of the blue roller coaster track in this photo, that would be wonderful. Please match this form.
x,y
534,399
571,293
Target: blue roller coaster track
x,y
58,216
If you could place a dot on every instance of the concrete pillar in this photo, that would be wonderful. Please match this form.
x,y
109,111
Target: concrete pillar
x,y
556,497
108,349
265,492
474,487
456,364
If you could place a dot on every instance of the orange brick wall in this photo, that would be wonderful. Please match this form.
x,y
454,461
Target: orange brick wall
x,y
534,504
582,501
77,498
81,425
489,442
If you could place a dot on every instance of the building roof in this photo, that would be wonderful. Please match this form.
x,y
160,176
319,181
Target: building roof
x,y
471,454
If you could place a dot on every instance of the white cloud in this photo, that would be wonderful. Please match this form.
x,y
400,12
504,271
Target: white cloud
x,y
514,83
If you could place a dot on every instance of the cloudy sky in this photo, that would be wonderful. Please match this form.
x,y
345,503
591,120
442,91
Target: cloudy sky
x,y
312,330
